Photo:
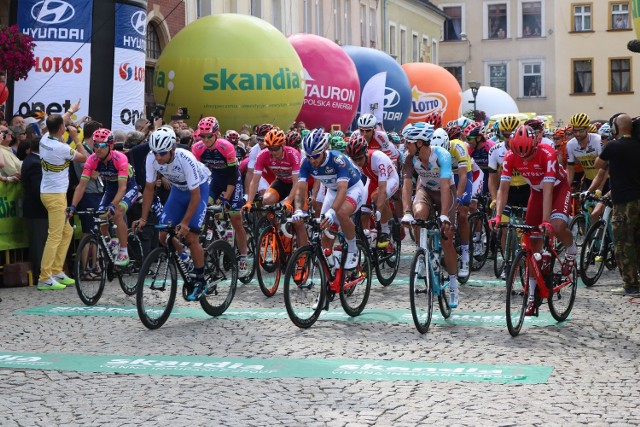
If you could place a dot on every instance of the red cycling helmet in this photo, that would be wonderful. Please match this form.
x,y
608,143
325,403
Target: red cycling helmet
x,y
102,135
232,136
293,139
356,147
535,124
263,130
473,130
435,118
208,125
523,141
454,132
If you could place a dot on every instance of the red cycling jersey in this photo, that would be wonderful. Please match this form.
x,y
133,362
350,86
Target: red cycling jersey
x,y
542,167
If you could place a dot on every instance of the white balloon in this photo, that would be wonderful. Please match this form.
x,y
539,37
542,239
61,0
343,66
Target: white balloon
x,y
491,100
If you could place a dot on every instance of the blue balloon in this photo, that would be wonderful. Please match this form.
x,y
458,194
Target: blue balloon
x,y
384,87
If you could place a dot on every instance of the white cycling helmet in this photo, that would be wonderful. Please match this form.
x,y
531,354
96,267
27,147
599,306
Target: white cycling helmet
x,y
162,139
418,131
605,130
367,121
315,142
440,138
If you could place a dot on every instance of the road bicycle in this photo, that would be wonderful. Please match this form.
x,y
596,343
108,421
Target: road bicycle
x,y
581,222
598,249
506,253
481,239
95,262
158,280
557,288
314,277
427,277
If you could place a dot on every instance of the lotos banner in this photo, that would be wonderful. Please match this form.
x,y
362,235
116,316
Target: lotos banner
x,y
13,228
129,66
62,32
237,68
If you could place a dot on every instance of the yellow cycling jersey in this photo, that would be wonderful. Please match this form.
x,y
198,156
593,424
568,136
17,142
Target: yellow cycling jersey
x,y
459,155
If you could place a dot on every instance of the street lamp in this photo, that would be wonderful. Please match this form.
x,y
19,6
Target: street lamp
x,y
474,86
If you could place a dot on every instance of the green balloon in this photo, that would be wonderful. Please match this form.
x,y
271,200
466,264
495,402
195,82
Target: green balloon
x,y
237,68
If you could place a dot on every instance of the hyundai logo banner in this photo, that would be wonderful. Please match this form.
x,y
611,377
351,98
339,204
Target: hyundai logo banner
x,y
129,66
62,32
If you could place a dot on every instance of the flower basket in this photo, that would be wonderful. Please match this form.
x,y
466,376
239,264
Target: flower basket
x,y
16,53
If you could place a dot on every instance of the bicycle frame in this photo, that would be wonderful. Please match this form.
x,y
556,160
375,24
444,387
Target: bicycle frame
x,y
430,241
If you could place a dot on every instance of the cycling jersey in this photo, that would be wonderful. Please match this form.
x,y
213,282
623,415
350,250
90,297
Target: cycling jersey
x,y
283,169
380,141
184,172
459,155
115,168
253,158
380,168
542,167
496,158
438,167
336,168
220,158
585,156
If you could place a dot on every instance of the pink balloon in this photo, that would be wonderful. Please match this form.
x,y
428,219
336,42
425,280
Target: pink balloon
x,y
332,85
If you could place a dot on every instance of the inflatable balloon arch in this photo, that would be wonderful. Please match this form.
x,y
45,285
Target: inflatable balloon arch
x,y
249,72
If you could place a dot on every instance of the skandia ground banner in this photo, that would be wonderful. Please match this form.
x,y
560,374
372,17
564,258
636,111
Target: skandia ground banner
x,y
129,63
61,75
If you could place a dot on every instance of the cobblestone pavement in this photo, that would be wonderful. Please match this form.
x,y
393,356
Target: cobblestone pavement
x,y
594,358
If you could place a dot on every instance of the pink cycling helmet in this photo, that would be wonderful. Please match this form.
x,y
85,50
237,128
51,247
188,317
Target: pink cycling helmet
x,y
208,125
102,135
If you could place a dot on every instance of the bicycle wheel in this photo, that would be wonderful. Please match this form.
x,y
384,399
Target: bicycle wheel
x,y
517,293
90,269
157,288
355,287
420,292
479,247
221,275
251,256
499,257
590,268
305,289
562,290
578,229
268,261
443,297
128,276
389,259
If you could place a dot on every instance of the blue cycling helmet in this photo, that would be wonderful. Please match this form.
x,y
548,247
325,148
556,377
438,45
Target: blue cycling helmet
x,y
418,131
394,137
605,130
315,142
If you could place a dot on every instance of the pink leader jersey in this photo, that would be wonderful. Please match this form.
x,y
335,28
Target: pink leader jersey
x,y
284,168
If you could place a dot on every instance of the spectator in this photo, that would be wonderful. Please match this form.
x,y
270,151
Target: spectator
x,y
17,121
23,149
133,138
55,156
33,209
534,90
119,138
185,139
10,169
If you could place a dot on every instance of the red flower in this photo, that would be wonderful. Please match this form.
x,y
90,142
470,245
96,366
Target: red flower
x,y
16,52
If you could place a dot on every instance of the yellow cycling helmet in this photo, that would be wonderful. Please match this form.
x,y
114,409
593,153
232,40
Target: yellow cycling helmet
x,y
508,124
580,120
592,128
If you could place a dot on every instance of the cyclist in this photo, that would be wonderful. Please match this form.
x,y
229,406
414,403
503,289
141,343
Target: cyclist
x,y
461,166
337,143
479,148
382,183
219,156
537,124
583,148
234,138
436,188
267,178
187,202
548,205
345,191
293,140
376,139
605,133
120,191
284,163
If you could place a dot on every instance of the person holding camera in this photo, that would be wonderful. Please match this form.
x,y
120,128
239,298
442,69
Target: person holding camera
x,y
56,156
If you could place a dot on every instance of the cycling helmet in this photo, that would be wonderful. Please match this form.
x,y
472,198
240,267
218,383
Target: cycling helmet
x,y
337,143
418,131
580,120
523,141
367,121
605,131
435,118
394,137
559,133
293,139
454,131
232,136
102,135
441,139
508,124
357,147
275,138
473,130
338,133
463,122
592,128
262,130
162,139
208,125
304,132
535,124
316,142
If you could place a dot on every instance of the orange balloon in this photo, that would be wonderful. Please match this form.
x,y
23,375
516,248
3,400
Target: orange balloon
x,y
434,90
4,93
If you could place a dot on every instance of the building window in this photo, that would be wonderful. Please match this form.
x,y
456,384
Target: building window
x,y
620,16
256,8
498,76
276,10
347,22
153,42
582,76
308,12
392,40
453,23
363,25
153,50
373,31
532,19
434,52
336,21
620,71
415,47
403,45
319,24
581,17
456,72
426,49
531,79
497,20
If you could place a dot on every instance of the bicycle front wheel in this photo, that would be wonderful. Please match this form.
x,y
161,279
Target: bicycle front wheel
x,y
516,293
562,290
128,276
479,242
420,292
356,284
445,291
304,287
591,266
268,261
157,288
90,269
221,275
251,253
578,229
389,258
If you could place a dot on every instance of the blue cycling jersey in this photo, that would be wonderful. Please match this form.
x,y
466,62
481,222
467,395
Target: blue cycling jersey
x,y
336,168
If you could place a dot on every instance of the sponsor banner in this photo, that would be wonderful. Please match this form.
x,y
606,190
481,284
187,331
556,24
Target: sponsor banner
x,y
348,369
129,67
13,228
391,316
61,75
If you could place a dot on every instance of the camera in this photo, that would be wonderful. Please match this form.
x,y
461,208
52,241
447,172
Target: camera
x,y
156,114
183,116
